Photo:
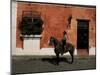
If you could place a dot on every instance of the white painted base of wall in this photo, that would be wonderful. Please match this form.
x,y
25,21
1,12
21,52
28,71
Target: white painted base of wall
x,y
31,44
92,51
43,51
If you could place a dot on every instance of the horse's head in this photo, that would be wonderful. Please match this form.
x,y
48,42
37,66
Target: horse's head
x,y
51,41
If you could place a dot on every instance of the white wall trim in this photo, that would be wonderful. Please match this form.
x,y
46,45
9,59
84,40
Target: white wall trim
x,y
13,26
92,51
42,51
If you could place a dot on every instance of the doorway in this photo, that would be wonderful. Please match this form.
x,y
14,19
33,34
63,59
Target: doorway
x,y
83,37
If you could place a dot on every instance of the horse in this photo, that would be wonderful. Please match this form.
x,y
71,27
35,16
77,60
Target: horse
x,y
58,46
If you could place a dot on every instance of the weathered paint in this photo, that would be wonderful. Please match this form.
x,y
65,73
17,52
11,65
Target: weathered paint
x,y
55,19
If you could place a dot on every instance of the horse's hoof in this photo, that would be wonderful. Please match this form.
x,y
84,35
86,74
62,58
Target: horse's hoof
x,y
57,64
71,62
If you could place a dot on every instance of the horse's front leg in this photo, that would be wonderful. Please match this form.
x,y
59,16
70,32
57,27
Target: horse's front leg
x,y
57,55
72,56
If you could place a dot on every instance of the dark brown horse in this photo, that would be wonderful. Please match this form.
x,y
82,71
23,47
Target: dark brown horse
x,y
58,46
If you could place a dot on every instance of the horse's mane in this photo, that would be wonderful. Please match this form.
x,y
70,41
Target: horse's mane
x,y
56,40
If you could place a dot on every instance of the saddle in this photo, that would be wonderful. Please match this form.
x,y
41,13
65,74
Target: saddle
x,y
64,48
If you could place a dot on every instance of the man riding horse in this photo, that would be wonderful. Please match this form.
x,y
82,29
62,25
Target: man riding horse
x,y
65,36
64,42
60,48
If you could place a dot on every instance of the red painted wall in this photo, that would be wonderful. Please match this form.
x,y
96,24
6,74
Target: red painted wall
x,y
55,19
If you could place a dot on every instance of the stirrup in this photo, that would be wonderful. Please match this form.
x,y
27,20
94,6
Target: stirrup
x,y
61,53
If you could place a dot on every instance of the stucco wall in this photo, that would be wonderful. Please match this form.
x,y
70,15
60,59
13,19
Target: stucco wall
x,y
55,19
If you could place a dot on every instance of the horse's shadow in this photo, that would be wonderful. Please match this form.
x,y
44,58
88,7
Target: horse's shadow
x,y
53,60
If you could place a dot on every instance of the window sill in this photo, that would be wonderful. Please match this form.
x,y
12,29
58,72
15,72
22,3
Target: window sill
x,y
30,36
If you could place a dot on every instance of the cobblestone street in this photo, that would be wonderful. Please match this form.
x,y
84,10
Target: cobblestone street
x,y
34,64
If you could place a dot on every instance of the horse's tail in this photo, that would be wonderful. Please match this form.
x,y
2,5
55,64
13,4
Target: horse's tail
x,y
71,47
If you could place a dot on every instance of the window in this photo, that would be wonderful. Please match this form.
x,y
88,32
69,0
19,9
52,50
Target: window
x,y
31,24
